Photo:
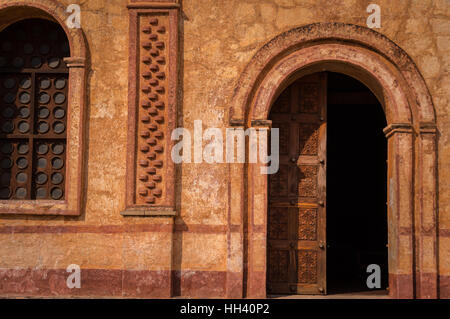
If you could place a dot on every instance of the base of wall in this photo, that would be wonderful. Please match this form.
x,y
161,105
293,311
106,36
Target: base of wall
x,y
444,287
94,283
114,283
119,283
401,286
199,284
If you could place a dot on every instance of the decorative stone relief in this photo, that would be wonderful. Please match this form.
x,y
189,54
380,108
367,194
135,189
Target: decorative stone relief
x,y
152,107
307,266
152,113
309,138
307,224
307,186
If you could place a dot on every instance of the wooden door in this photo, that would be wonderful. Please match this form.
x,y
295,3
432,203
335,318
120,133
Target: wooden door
x,y
297,192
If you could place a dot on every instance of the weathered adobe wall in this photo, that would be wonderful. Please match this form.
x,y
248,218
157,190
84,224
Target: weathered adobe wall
x,y
219,39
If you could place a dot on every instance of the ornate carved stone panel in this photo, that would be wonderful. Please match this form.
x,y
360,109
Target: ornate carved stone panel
x,y
308,138
307,183
307,224
152,114
152,107
307,266
309,97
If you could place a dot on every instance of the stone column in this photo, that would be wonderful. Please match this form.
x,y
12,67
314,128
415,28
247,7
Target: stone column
x,y
257,223
76,120
400,210
235,229
426,232
152,107
152,116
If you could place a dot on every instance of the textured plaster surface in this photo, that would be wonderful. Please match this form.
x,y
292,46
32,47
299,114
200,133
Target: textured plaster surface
x,y
218,40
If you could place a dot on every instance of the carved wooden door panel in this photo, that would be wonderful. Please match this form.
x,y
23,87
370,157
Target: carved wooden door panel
x,y
297,192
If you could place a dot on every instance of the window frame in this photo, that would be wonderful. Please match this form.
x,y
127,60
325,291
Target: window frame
x,y
71,205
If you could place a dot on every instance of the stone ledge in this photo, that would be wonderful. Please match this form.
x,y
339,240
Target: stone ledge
x,y
149,212
154,4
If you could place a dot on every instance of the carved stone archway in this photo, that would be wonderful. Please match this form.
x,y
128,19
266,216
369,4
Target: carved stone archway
x,y
412,167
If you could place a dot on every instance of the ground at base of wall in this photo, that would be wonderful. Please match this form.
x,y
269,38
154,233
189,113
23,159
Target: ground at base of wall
x,y
377,294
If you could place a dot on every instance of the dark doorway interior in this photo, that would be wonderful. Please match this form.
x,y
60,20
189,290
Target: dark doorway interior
x,y
356,185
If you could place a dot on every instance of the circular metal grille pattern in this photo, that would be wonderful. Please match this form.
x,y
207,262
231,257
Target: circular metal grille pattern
x,y
7,148
22,163
57,163
36,62
24,112
33,110
44,98
60,83
56,193
7,127
58,149
5,163
21,178
24,127
42,148
59,113
42,162
41,193
25,83
45,83
9,83
43,112
8,111
22,149
57,178
21,193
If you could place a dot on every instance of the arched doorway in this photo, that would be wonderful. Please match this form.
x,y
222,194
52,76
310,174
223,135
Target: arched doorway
x,y
327,216
394,79
357,234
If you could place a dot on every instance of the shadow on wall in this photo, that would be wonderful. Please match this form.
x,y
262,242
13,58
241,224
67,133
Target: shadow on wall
x,y
177,245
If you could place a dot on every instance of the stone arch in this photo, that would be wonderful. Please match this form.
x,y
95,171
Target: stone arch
x,y
12,11
394,78
350,35
16,10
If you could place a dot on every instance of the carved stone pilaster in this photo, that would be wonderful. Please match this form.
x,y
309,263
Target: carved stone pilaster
x,y
153,80
401,209
427,286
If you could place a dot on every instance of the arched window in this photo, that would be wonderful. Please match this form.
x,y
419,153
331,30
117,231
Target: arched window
x,y
33,110
42,110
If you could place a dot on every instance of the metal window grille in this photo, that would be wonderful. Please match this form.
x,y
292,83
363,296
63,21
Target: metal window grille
x,y
33,110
